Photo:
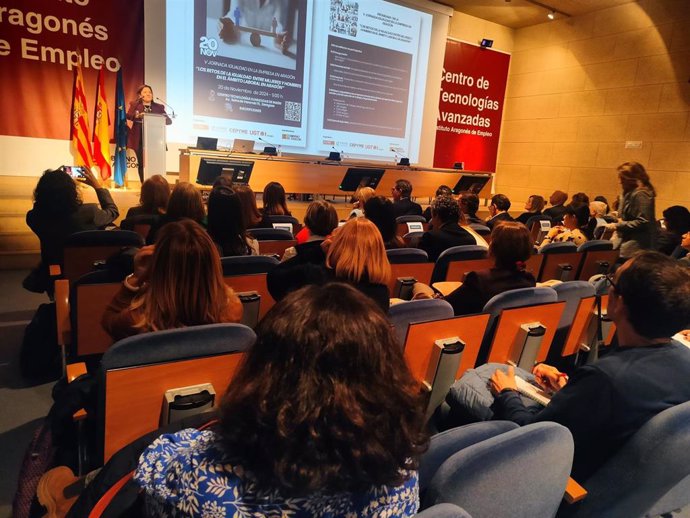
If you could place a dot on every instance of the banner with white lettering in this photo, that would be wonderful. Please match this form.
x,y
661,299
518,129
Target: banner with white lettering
x,y
470,106
41,41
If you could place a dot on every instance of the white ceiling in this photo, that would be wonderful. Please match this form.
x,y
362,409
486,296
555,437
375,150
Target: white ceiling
x,y
521,13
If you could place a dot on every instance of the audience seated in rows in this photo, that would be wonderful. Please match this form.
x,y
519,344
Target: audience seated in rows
x,y
441,190
574,218
677,223
557,210
402,204
320,221
226,225
355,254
498,210
185,202
59,212
380,211
361,196
323,418
177,282
153,198
446,233
533,207
605,403
250,213
469,205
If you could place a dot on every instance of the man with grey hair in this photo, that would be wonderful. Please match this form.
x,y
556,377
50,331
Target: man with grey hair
x,y
445,214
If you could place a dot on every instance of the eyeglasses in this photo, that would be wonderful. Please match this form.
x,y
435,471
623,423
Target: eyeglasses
x,y
609,279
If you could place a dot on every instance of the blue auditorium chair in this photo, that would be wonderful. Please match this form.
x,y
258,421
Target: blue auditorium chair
x,y
455,253
403,314
648,476
521,473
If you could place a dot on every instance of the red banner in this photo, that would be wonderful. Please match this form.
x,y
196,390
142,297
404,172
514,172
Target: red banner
x,y
41,43
470,106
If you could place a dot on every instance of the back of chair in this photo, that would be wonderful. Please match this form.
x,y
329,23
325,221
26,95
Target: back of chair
x,y
403,314
571,293
561,262
647,468
519,473
278,247
511,299
137,371
83,249
597,259
247,264
271,234
410,218
285,219
482,230
406,256
455,253
140,224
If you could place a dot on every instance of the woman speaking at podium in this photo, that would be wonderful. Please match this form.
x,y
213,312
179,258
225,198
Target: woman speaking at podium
x,y
135,122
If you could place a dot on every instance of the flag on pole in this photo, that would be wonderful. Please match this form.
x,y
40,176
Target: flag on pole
x,y
101,132
120,132
79,129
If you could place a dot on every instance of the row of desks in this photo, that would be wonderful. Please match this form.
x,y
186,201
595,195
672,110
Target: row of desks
x,y
314,176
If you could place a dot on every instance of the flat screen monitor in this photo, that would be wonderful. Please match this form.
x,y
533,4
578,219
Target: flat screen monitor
x,y
211,168
471,183
357,177
207,143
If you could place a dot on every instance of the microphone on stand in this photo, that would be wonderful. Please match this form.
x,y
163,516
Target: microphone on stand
x,y
270,149
166,104
334,155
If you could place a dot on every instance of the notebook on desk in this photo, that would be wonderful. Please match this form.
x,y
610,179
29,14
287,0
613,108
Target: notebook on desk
x,y
242,146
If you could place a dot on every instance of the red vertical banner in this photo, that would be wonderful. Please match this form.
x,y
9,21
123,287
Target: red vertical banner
x,y
41,44
470,106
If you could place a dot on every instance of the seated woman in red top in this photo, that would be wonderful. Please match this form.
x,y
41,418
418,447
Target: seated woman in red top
x,y
511,246
177,282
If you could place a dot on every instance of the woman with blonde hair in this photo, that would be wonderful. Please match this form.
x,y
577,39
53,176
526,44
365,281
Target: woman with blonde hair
x,y
361,196
357,255
636,224
177,282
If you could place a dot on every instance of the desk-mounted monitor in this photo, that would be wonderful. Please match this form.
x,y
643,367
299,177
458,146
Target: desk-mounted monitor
x,y
357,177
471,182
211,168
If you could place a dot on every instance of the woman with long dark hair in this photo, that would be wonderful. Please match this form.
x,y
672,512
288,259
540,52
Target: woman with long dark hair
x,y
322,418
177,282
226,224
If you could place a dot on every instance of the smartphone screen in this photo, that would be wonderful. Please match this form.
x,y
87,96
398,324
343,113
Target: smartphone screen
x,y
75,171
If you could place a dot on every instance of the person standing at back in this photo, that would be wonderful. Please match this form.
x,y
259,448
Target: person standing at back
x,y
402,204
636,224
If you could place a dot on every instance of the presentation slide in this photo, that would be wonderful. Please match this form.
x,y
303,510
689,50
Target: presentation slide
x,y
306,76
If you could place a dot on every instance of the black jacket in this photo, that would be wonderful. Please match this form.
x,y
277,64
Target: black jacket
x,y
406,207
501,216
434,242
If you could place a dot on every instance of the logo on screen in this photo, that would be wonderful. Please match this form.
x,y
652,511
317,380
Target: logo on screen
x,y
208,46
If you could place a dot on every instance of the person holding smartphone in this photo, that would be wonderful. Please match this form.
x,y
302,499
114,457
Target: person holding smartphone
x,y
59,212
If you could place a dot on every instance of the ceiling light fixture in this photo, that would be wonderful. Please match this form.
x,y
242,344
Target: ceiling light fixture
x,y
551,11
552,15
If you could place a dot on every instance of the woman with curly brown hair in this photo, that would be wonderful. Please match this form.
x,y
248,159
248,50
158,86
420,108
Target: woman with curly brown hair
x,y
322,418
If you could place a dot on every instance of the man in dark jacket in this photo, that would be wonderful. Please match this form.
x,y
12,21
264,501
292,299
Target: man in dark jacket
x,y
402,204
498,210
445,214
606,402
557,209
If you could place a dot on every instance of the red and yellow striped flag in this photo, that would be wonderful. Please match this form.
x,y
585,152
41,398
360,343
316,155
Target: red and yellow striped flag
x,y
101,134
79,129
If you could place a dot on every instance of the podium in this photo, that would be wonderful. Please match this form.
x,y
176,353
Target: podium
x,y
154,145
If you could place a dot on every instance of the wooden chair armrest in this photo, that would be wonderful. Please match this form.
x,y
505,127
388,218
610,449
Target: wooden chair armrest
x,y
574,492
54,270
74,370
